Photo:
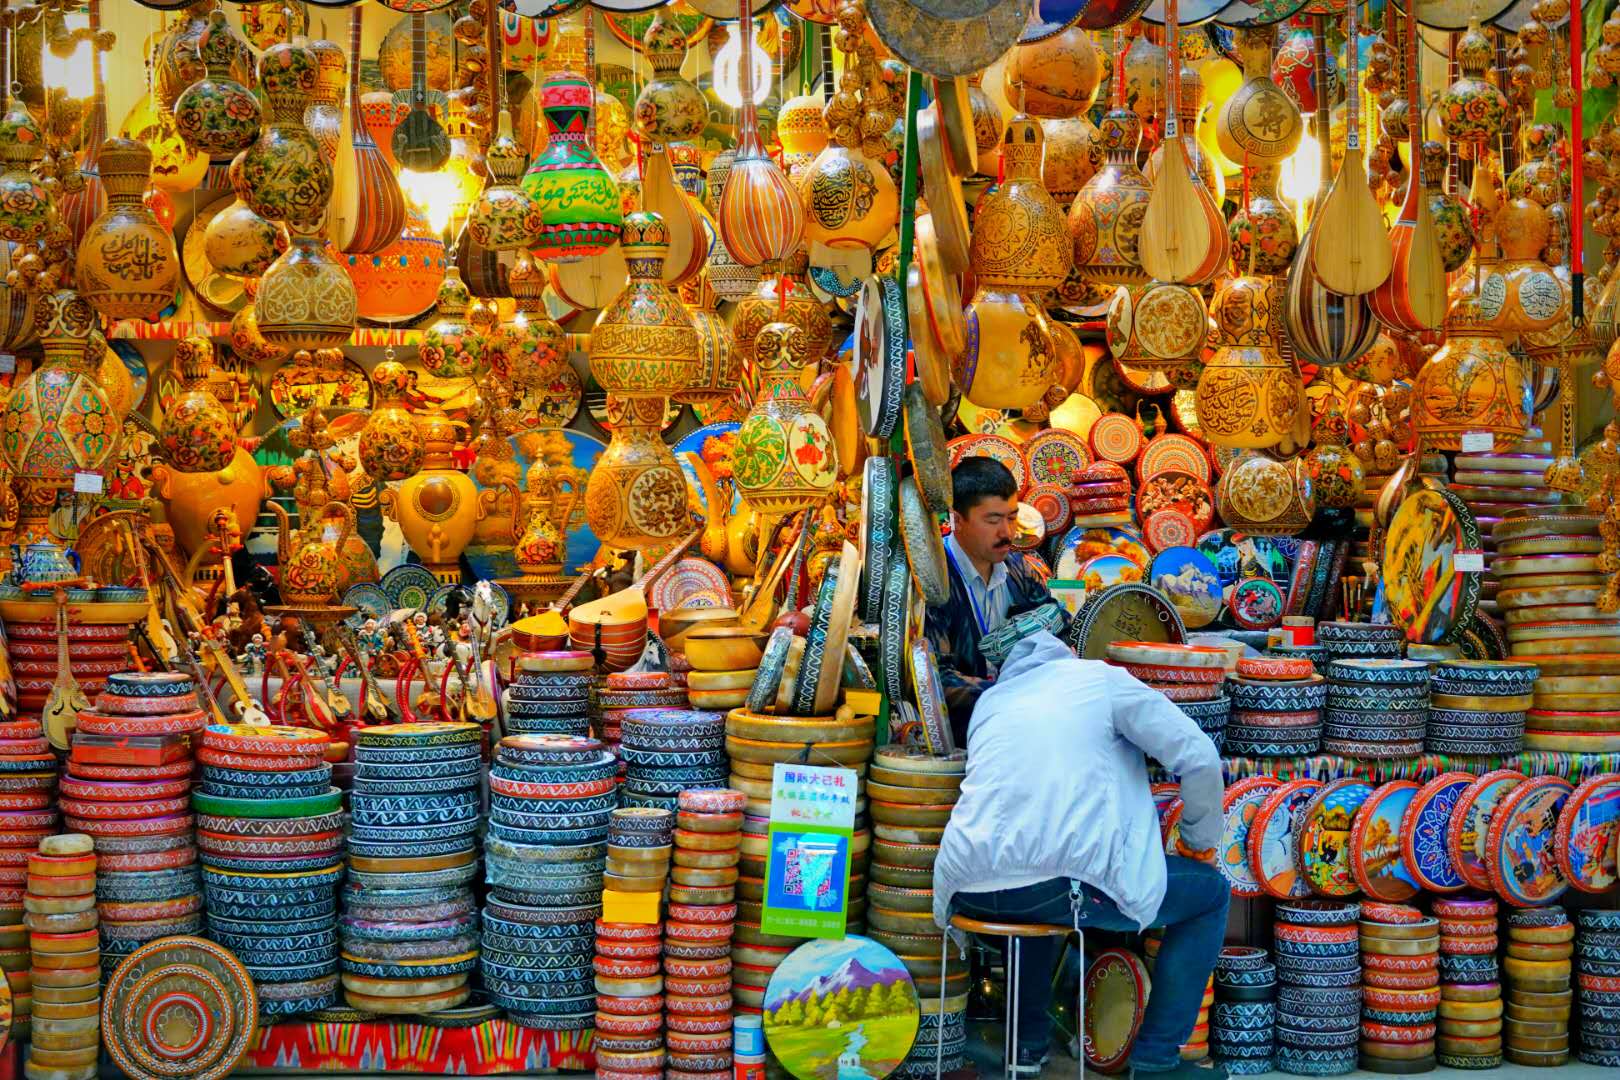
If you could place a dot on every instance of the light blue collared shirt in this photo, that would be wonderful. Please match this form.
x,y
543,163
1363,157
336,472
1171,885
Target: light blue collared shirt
x,y
991,602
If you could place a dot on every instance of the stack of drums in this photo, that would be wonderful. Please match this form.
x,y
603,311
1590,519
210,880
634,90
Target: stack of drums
x,y
698,936
719,691
1315,653
1318,987
1541,943
639,843
1597,975
1478,706
1376,708
629,1016
280,916
1100,496
1211,717
1276,717
552,694
900,899
666,751
550,799
1182,673
95,650
1470,1014
65,1009
1243,1020
1398,1022
1359,641
413,843
1500,483
612,707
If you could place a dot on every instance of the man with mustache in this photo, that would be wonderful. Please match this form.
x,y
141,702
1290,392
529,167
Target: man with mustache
x,y
989,582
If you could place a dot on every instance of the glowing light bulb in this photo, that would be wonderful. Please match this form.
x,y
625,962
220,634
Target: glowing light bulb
x,y
728,70
73,73
1299,177
435,194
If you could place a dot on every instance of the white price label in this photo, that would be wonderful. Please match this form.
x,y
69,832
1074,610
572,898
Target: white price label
x,y
1478,442
1470,561
88,483
330,534
8,363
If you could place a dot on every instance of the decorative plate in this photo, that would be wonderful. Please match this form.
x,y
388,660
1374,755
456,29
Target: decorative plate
x,y
1177,491
1084,543
1051,501
1322,840
178,1006
1425,846
1053,456
925,445
1117,988
1428,596
1188,578
1375,843
879,356
409,587
805,1039
995,447
1104,571
372,601
1168,528
1239,805
1238,555
1028,528
1123,613
1470,823
1116,437
1587,833
1520,848
1272,839
925,550
691,582
1256,604
1173,452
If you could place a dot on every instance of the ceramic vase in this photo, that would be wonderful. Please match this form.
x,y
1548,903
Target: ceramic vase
x,y
127,266
58,421
286,177
216,115
578,201
1105,219
644,343
198,435
439,508
636,497
784,459
305,299
1473,382
1248,395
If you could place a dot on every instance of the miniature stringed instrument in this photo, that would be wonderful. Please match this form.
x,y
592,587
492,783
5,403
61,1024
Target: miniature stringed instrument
x,y
367,209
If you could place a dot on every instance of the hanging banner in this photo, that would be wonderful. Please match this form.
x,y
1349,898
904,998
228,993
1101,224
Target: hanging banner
x,y
807,866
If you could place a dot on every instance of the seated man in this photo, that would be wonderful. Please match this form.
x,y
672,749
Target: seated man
x,y
1056,824
988,581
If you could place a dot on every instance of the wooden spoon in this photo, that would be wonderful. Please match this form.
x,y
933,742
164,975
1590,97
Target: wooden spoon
x,y
1359,257
60,716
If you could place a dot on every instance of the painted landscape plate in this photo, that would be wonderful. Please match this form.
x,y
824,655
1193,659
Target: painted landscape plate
x,y
1271,840
1375,843
1239,806
1521,859
1322,837
1082,544
841,1008
1428,596
1189,579
1587,831
1425,846
1471,821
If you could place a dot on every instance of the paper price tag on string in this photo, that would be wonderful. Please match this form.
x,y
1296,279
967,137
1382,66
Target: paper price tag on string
x,y
1478,442
1469,561
88,483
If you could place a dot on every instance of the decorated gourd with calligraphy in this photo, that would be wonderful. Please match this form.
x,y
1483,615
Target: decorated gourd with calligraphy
x,y
578,200
1473,382
644,343
1249,396
127,264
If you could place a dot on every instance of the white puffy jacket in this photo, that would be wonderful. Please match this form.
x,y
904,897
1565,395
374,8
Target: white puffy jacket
x,y
1057,784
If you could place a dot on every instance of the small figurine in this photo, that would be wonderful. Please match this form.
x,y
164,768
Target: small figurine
x,y
254,655
373,640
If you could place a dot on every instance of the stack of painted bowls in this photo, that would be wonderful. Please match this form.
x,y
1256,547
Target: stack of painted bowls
x,y
1597,974
1182,673
1318,987
1376,708
629,1001
1541,945
1499,483
1100,496
1478,706
639,842
1470,1012
550,798
1275,716
413,843
1359,640
1243,1020
1398,1023
669,750
280,915
698,936
551,695
27,815
64,1028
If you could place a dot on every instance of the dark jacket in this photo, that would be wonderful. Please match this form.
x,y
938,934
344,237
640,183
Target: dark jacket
x,y
954,635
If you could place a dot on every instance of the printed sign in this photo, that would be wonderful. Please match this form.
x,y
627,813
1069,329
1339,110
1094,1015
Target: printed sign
x,y
807,866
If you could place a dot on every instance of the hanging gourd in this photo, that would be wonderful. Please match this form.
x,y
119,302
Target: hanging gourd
x,y
1357,259
761,212
578,200
1294,71
1263,232
198,435
217,116
1520,293
644,343
286,177
1453,219
452,348
25,205
1259,124
1020,240
1055,77
1473,383
1249,395
127,264
503,217
1472,110
668,111
1105,219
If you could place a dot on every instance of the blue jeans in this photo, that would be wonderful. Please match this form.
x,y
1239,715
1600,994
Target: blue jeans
x,y
1193,917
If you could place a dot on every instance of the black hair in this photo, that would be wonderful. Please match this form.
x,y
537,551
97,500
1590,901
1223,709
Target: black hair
x,y
976,478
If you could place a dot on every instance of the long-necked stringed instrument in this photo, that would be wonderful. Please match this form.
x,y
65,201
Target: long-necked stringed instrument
x,y
1413,297
1359,259
367,208
420,142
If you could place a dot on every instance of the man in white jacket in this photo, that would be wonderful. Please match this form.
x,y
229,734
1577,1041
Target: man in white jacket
x,y
1056,824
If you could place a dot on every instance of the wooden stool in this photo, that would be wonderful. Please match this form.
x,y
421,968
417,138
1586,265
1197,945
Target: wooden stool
x,y
1015,933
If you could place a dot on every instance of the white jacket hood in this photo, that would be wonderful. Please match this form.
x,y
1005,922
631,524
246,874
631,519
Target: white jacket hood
x,y
1057,783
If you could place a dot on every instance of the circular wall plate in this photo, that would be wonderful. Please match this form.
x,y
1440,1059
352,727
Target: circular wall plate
x,y
1588,830
1424,843
1322,840
1239,805
1375,843
1520,849
1272,838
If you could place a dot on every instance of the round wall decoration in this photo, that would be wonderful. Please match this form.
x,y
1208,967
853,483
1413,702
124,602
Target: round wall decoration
x,y
179,1006
813,997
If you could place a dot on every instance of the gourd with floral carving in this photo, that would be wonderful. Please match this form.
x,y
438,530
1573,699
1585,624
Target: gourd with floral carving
x,y
1249,397
305,300
390,445
1264,233
529,348
785,459
217,115
323,113
238,241
1472,383
578,200
1472,109
540,526
504,217
451,347
669,108
25,204
127,264
1453,219
58,421
1105,218
644,343
198,435
286,176
636,497
1336,472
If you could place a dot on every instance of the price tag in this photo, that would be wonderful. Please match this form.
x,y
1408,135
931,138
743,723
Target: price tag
x,y
8,363
330,534
1469,561
1478,442
88,483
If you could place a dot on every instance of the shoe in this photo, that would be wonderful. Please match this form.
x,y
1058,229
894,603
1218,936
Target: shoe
x,y
1184,1070
1031,1061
